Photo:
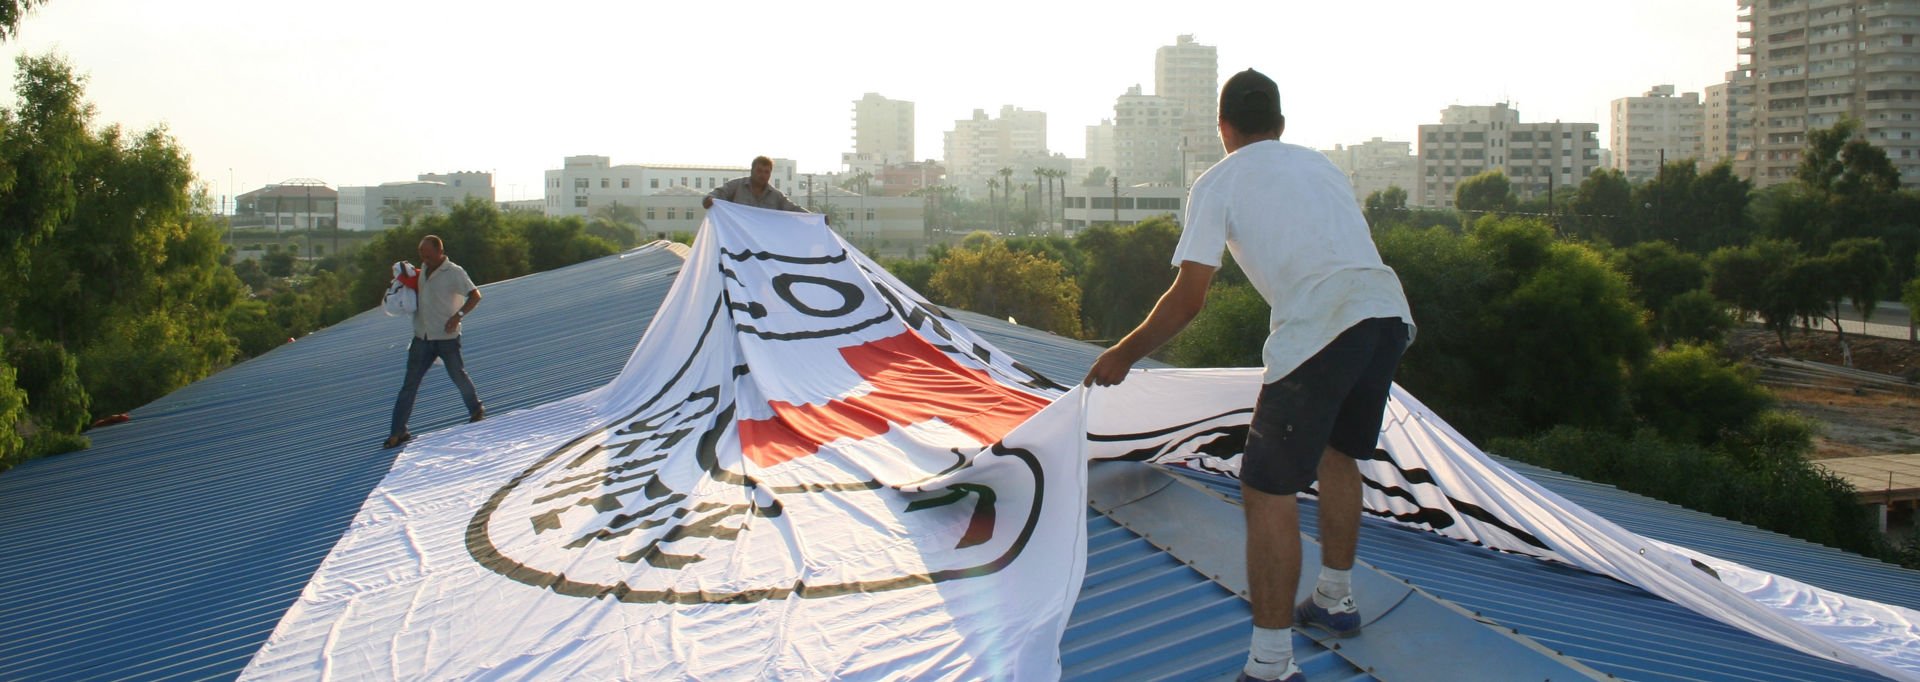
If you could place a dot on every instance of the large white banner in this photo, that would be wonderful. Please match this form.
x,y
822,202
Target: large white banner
x,y
804,472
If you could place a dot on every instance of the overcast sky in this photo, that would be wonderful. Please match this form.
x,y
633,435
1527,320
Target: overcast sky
x,y
356,92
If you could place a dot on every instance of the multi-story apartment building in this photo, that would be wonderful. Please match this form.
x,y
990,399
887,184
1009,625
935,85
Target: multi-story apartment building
x,y
1375,165
1656,128
1190,72
1816,61
1538,158
977,148
585,183
883,129
389,204
1727,121
1147,138
1099,148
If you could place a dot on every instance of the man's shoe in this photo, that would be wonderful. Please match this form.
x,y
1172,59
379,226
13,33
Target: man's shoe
x,y
477,415
1343,620
1293,674
395,440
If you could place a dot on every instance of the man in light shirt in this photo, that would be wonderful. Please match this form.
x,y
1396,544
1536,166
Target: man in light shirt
x,y
1339,325
447,295
753,190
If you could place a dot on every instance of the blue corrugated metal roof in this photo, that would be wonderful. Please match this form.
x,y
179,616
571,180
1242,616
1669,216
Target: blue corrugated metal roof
x,y
171,548
1609,625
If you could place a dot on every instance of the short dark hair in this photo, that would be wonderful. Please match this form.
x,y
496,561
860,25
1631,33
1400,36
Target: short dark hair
x,y
759,161
1251,103
438,245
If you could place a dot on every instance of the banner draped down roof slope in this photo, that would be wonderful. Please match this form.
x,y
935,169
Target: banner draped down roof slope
x,y
807,471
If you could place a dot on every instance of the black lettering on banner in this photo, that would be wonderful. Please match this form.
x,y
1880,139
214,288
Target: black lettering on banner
x,y
850,296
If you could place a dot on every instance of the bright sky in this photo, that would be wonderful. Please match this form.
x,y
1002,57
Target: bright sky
x,y
358,92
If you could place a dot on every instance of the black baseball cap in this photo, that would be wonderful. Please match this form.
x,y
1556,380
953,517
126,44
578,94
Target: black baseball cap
x,y
1251,102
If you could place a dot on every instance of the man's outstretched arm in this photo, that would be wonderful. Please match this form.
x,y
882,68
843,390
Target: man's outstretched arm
x,y
1177,307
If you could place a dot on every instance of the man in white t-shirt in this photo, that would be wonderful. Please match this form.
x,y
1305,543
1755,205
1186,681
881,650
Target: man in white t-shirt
x,y
1339,325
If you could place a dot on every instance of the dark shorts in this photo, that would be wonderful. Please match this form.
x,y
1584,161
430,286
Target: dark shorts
x,y
1334,399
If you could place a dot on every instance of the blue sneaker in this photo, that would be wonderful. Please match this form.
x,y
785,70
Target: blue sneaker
x,y
1343,620
1292,674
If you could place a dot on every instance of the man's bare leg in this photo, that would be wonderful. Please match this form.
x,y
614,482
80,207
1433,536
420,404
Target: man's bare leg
x,y
1273,555
1339,510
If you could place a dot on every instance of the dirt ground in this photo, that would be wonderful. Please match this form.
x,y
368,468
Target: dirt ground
x,y
1854,423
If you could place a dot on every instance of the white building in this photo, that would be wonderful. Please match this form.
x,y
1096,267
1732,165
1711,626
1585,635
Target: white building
x,y
977,148
1147,144
1655,128
1083,206
1375,165
883,129
387,205
585,183
1538,158
1729,124
1099,148
1814,63
1190,72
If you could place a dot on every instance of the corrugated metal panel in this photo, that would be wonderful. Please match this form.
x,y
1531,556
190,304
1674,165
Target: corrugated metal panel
x,y
1609,625
171,549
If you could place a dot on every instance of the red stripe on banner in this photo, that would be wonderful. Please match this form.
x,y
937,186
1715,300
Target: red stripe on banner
x,y
912,382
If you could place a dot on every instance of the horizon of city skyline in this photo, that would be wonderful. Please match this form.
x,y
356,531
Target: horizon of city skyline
x,y
251,131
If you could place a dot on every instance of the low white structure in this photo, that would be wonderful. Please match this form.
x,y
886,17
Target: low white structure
x,y
389,204
1084,207
585,183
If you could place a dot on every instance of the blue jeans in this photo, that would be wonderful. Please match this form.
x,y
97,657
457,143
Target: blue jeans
x,y
420,355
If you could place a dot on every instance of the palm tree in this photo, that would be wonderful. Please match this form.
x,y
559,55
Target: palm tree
x,y
993,184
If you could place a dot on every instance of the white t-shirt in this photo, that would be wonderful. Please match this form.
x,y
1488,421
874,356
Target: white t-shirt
x,y
442,293
1288,215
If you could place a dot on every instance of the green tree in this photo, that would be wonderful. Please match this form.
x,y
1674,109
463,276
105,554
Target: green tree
x,y
1602,209
1228,332
1570,322
991,280
1386,207
13,409
1097,177
618,224
1862,272
278,263
1449,282
1126,271
1488,192
50,377
1660,272
556,242
1721,217
1693,317
11,12
1768,278
1689,394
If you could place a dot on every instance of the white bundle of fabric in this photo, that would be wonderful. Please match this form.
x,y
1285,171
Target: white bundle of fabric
x,y
403,293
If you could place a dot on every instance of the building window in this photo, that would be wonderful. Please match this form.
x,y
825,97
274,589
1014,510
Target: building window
x,y
603,183
696,183
626,183
655,183
579,183
649,213
671,212
580,201
869,214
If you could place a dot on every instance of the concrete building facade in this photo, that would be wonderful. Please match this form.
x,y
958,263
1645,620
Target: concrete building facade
x,y
1538,158
1190,72
1375,165
1728,121
1816,61
585,183
1147,138
389,204
883,129
1083,207
978,147
1654,128
292,205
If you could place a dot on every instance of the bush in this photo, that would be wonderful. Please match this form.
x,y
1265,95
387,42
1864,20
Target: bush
x,y
13,407
1693,317
144,357
1229,332
1689,395
50,377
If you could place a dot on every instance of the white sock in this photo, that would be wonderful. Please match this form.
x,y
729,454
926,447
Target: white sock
x,y
1334,585
1271,654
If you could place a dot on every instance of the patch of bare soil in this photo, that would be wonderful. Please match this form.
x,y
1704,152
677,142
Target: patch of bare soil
x,y
1857,418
